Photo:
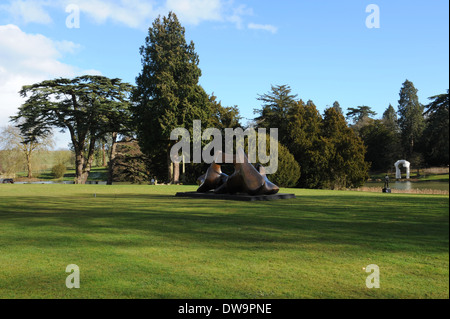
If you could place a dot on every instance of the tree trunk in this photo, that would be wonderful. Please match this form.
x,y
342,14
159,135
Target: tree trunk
x,y
112,157
83,167
176,173
169,168
104,154
79,165
30,172
90,159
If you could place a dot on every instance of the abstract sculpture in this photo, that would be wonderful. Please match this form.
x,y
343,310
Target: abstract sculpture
x,y
245,179
398,173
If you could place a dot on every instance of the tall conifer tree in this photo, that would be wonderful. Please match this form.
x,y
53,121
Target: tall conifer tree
x,y
275,111
168,94
411,120
437,131
346,152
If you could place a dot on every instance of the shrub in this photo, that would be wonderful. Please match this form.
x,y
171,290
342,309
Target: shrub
x,y
59,170
288,172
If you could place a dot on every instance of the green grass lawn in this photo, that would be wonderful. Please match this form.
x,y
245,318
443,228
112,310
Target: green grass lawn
x,y
441,177
142,242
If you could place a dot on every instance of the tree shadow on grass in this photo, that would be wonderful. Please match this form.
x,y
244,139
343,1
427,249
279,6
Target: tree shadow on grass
x,y
126,220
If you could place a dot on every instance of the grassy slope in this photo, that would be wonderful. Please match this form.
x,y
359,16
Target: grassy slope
x,y
141,242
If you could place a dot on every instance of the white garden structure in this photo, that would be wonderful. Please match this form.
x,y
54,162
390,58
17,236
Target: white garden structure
x,y
398,173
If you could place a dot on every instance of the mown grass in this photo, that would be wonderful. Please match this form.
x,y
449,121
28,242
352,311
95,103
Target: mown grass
x,y
440,178
142,242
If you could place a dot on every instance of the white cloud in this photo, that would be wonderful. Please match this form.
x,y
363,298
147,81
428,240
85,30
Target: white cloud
x,y
131,13
141,13
137,14
67,46
264,27
27,59
27,11
238,13
196,11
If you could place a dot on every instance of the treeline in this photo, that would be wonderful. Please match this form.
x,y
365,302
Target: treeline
x,y
316,152
329,153
334,153
415,132
131,125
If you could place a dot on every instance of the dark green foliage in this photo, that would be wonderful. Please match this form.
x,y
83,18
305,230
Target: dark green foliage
x,y
390,119
275,111
306,144
223,117
337,107
329,153
130,164
436,134
360,116
288,171
411,120
194,170
298,129
359,113
382,145
167,95
345,153
59,170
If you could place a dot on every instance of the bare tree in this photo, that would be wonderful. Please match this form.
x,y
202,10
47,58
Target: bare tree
x,y
13,140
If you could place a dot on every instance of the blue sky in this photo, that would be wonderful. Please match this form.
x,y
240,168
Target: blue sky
x,y
322,49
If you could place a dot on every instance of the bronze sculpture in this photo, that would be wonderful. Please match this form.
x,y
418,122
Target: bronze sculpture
x,y
386,188
245,179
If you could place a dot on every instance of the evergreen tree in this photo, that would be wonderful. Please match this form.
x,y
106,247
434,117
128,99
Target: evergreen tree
x,y
329,153
275,111
223,117
345,152
288,171
360,116
390,119
382,145
392,147
168,94
130,163
306,144
411,120
337,107
436,135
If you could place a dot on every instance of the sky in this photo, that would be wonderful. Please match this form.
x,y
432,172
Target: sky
x,y
355,52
